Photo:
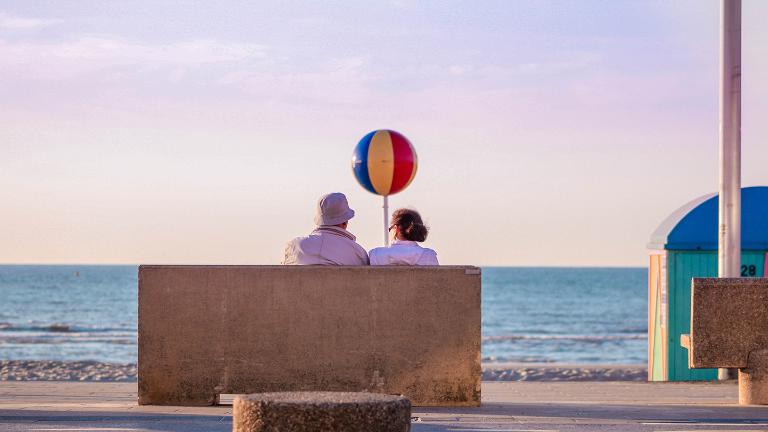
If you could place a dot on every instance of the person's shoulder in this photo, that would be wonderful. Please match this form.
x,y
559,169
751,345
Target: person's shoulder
x,y
361,248
297,241
428,257
357,250
377,250
292,244
292,252
308,244
376,254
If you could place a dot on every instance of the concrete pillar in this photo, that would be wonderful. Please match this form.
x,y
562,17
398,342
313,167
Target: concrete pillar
x,y
753,379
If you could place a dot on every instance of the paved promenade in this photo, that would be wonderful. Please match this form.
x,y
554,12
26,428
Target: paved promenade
x,y
507,406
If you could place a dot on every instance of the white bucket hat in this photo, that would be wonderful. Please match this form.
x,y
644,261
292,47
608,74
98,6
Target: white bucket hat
x,y
333,209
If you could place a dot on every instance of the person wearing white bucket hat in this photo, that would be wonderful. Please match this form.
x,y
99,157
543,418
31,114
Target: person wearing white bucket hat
x,y
330,243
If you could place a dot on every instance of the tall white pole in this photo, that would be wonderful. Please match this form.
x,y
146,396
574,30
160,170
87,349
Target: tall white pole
x,y
386,220
729,236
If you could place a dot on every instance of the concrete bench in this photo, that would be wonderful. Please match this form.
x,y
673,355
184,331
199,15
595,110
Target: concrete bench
x,y
729,329
321,412
211,330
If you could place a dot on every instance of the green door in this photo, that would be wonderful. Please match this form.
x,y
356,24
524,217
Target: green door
x,y
682,267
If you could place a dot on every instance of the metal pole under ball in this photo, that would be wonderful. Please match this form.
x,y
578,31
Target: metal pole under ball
x,y
386,220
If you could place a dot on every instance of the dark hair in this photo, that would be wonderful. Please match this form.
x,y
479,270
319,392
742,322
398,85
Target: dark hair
x,y
410,225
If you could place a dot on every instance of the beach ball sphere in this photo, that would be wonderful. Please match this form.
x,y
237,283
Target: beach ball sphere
x,y
384,162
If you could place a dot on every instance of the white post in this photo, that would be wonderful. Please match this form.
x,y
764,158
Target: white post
x,y
729,236
386,220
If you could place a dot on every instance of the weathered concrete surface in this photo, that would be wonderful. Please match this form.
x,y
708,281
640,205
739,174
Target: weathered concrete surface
x,y
753,379
321,412
210,330
515,406
729,319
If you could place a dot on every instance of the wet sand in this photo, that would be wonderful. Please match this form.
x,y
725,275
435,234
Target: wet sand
x,y
562,372
49,370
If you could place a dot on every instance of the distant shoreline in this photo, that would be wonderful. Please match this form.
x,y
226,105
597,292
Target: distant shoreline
x,y
93,371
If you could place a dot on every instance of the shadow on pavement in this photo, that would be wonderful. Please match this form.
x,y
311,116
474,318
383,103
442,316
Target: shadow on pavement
x,y
657,412
13,421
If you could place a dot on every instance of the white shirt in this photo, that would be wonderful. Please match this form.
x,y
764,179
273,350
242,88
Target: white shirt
x,y
403,252
326,245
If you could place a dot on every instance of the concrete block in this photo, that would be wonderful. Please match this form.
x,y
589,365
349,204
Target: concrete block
x,y
210,330
729,319
321,412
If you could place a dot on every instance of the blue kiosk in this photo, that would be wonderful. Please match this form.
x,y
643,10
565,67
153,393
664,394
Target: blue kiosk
x,y
683,247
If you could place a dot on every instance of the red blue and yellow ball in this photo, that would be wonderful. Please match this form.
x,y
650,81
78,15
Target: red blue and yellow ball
x,y
384,162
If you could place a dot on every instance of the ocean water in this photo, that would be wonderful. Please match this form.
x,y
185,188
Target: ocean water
x,y
565,315
541,315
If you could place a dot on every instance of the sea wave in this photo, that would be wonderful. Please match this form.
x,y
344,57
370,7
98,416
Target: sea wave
x,y
58,328
26,340
642,329
516,359
577,338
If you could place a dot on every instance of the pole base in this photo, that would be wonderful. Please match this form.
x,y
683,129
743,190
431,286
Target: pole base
x,y
753,379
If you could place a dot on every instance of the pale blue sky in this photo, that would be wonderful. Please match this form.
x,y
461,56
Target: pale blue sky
x,y
549,132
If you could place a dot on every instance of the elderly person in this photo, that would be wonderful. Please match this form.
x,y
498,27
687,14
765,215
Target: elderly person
x,y
407,230
330,243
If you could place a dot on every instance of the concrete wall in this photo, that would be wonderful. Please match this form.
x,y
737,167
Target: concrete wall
x,y
210,330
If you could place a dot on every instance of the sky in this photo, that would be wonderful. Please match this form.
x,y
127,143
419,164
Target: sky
x,y
549,133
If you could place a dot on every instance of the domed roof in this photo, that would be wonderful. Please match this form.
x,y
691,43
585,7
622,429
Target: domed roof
x,y
694,225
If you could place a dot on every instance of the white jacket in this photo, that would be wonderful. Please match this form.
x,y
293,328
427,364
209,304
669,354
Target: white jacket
x,y
403,252
326,245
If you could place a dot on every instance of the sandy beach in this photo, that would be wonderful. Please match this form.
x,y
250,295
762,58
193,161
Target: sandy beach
x,y
562,372
50,370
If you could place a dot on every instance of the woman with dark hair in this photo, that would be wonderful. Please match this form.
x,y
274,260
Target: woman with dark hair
x,y
407,230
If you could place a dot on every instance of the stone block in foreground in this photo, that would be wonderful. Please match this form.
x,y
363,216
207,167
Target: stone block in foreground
x,y
321,411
